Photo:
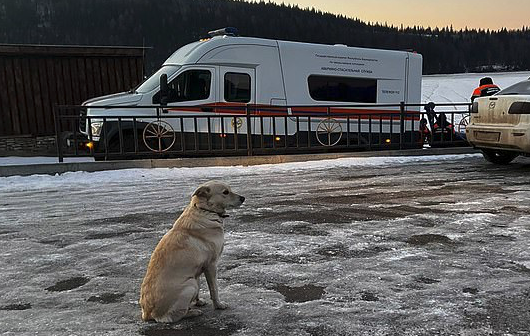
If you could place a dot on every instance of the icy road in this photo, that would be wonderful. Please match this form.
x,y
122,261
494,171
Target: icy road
x,y
362,246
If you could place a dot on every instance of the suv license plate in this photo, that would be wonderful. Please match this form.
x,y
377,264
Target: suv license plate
x,y
488,136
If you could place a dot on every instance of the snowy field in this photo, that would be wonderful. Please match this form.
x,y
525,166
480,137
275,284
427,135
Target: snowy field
x,y
361,246
458,88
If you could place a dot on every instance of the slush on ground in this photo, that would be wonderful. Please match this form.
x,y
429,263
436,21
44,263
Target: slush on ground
x,y
359,246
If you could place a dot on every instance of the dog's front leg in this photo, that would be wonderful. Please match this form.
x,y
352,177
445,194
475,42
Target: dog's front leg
x,y
210,273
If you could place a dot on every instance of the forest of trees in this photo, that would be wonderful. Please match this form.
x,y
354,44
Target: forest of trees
x,y
165,25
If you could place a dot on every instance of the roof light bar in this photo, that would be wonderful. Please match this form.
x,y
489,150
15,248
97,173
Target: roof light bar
x,y
229,31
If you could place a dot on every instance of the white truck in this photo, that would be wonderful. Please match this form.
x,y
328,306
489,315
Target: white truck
x,y
227,70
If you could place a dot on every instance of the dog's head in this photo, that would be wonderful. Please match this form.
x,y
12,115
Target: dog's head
x,y
216,197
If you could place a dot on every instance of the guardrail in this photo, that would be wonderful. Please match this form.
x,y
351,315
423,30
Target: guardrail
x,y
129,132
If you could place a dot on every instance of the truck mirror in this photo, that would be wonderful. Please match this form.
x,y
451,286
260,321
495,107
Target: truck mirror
x,y
164,90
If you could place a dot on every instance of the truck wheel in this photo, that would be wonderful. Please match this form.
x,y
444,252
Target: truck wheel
x,y
499,156
113,149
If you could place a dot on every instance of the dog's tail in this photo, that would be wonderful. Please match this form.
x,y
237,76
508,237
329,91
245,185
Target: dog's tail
x,y
147,310
146,316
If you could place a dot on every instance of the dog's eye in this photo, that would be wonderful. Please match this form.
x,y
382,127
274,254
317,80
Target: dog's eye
x,y
226,192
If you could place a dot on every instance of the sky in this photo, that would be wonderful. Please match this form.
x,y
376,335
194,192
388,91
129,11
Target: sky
x,y
487,14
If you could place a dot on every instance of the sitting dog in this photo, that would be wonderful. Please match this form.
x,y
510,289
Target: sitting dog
x,y
192,247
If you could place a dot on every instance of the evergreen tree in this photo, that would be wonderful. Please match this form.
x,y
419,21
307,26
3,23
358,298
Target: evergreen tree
x,y
165,25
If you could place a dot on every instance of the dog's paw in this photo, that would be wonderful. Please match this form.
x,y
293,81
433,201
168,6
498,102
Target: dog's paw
x,y
220,305
200,303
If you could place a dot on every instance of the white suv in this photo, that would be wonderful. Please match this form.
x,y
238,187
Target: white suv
x,y
500,124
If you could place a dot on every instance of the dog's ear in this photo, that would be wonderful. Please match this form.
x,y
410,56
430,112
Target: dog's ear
x,y
202,192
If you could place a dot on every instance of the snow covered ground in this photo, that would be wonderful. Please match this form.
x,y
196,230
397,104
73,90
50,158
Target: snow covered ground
x,y
359,246
27,160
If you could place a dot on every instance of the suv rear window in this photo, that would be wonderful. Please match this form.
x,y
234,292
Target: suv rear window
x,y
522,88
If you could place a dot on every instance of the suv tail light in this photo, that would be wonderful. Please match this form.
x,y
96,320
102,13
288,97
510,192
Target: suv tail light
x,y
474,107
519,108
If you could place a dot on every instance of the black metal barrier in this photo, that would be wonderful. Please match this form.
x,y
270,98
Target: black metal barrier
x,y
130,132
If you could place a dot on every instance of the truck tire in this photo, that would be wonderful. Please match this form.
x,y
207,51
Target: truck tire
x,y
128,147
500,157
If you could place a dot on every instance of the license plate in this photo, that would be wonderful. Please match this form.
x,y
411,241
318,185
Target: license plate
x,y
488,136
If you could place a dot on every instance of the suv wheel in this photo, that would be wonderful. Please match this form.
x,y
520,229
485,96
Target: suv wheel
x,y
499,156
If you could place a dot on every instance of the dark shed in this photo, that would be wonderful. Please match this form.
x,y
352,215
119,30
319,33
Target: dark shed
x,y
35,78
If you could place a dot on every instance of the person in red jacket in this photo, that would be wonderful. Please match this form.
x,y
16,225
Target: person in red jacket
x,y
486,88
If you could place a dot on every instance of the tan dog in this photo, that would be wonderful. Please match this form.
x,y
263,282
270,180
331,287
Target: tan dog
x,y
192,247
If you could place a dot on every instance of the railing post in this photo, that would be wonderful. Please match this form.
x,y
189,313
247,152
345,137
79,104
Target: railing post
x,y
250,150
58,142
401,123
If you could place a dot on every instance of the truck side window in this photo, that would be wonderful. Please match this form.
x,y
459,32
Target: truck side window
x,y
188,86
342,89
237,87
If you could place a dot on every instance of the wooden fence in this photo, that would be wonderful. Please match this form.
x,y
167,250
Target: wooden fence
x,y
35,78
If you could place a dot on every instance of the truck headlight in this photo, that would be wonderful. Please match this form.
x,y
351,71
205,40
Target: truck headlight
x,y
96,128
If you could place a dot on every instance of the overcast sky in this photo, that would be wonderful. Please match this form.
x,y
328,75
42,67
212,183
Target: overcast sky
x,y
492,14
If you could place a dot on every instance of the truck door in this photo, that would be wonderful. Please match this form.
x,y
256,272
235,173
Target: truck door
x,y
193,86
237,89
192,92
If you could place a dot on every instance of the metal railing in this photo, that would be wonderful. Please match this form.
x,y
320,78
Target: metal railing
x,y
129,132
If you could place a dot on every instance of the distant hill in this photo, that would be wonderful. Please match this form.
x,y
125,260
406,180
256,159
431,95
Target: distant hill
x,y
166,25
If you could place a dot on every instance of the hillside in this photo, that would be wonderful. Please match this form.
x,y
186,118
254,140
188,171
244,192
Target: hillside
x,y
165,25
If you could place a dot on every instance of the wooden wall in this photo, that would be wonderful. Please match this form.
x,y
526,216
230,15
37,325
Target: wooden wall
x,y
33,79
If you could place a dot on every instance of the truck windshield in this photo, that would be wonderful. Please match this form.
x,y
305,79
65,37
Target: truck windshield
x,y
154,81
522,88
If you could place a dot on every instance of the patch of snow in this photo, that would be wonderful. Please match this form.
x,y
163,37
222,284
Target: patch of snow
x,y
31,160
117,177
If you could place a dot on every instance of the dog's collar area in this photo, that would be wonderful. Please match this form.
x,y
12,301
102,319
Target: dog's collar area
x,y
222,215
